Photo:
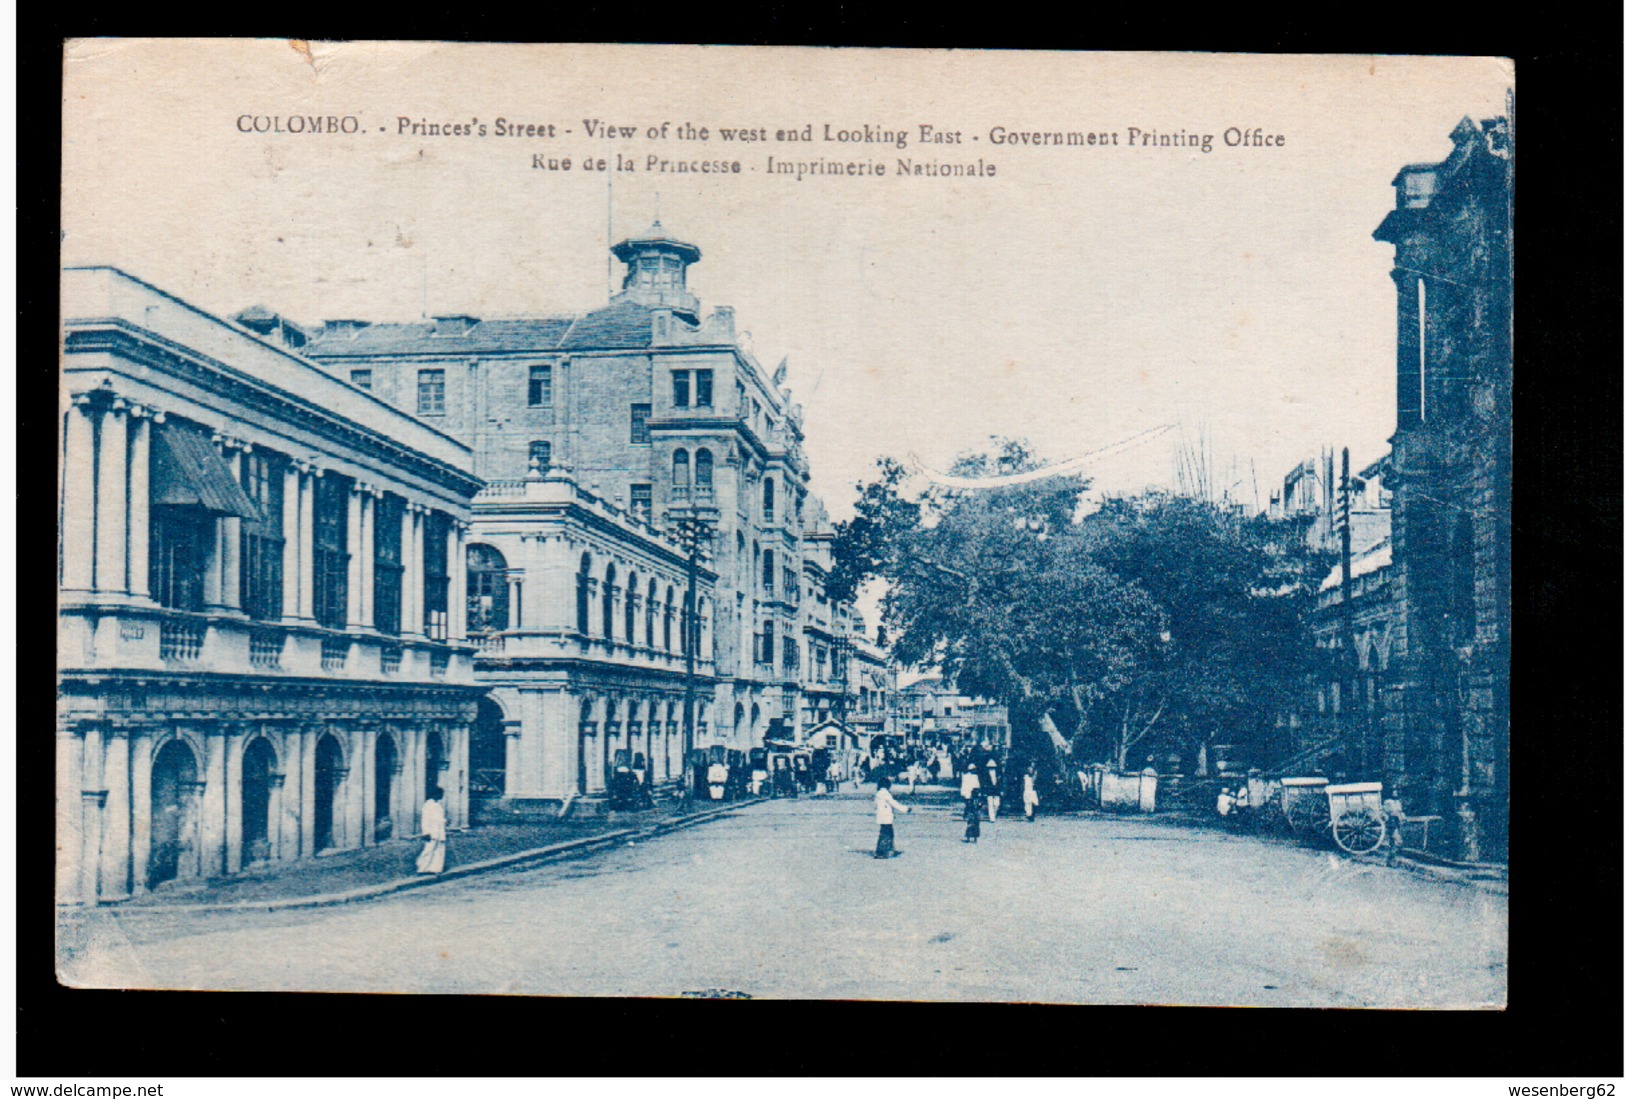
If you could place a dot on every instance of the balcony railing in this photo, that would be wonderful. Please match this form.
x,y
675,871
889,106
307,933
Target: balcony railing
x,y
389,659
438,663
335,653
265,648
488,643
180,640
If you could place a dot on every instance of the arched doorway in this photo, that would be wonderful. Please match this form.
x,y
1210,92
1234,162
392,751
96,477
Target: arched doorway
x,y
174,814
434,763
386,766
487,754
329,775
259,764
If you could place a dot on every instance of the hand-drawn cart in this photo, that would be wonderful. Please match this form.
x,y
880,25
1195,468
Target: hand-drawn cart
x,y
1358,820
1303,804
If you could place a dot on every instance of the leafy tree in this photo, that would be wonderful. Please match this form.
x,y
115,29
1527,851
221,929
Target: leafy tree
x,y
1156,617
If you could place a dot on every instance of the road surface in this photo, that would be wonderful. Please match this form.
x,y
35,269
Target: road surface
x,y
782,901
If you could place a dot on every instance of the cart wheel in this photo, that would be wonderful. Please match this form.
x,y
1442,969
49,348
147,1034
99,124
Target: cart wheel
x,y
1308,815
1359,831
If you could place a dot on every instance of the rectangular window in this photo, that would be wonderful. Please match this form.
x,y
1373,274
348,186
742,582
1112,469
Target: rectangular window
x,y
436,576
541,453
361,379
260,589
643,501
431,392
767,642
332,558
386,564
679,388
180,537
702,388
640,423
541,387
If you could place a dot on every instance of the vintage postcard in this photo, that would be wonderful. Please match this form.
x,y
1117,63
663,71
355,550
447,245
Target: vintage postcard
x,y
549,520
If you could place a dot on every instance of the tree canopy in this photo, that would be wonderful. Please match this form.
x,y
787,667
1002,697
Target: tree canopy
x,y
1157,617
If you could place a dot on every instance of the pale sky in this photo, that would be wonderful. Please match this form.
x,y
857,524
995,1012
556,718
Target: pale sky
x,y
1078,297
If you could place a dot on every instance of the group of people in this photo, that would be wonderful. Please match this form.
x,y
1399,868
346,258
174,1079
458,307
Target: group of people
x,y
980,789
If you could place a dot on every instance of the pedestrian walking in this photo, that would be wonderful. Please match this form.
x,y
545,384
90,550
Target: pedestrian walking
x,y
973,815
1029,792
885,806
970,788
432,859
990,788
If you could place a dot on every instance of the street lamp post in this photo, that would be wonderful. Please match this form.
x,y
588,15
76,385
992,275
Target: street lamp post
x,y
693,527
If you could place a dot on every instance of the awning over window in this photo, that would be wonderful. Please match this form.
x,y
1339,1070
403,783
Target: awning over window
x,y
188,472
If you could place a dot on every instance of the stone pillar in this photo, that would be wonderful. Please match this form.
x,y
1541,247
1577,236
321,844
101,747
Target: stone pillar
x,y
511,732
69,811
455,784
233,842
412,781
212,831
355,790
420,619
229,536
140,807
274,814
307,790
411,576
93,796
353,601
79,499
112,499
140,513
292,758
307,544
457,567
516,600
292,541
115,872
370,778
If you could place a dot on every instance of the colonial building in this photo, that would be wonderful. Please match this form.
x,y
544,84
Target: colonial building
x,y
1445,707
655,415
261,601
934,712
580,610
1353,625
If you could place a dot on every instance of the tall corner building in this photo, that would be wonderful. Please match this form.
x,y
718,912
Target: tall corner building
x,y
595,434
1446,704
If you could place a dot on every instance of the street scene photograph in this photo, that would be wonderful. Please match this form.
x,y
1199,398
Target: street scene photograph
x,y
785,524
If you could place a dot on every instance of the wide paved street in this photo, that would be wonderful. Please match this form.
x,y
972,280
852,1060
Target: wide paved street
x,y
781,900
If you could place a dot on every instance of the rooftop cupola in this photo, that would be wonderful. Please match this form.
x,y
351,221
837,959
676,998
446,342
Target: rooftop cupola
x,y
657,270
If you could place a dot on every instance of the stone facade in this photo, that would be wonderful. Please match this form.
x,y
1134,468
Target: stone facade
x,y
1446,707
656,413
260,647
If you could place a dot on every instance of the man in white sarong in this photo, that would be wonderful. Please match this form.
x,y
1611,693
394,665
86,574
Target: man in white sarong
x,y
432,859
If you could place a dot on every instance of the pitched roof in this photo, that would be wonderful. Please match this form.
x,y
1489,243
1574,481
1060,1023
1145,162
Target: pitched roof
x,y
427,338
622,323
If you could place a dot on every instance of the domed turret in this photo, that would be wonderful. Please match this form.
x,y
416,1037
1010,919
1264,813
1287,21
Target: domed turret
x,y
657,270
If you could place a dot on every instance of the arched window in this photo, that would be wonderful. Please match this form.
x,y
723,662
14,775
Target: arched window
x,y
767,570
631,608
702,473
670,596
541,454
583,595
649,601
609,602
767,499
487,590
679,474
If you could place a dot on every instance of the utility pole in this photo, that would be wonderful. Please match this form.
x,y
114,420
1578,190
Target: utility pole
x,y
694,526
1349,661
